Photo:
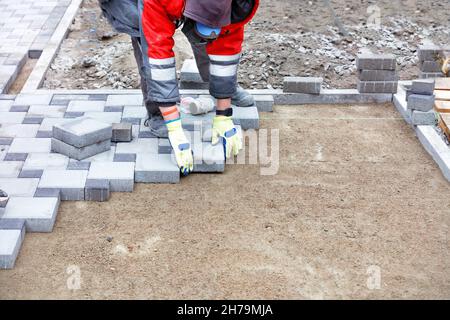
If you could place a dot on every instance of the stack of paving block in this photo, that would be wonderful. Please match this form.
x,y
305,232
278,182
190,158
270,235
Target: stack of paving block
x,y
429,64
420,102
81,138
377,73
307,85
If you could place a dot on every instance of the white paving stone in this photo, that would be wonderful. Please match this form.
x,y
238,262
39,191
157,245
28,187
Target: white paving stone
x,y
134,112
119,174
10,169
46,111
124,100
41,161
138,146
86,106
48,123
70,182
12,117
39,213
30,145
19,187
156,168
5,105
19,130
107,156
30,99
10,244
106,117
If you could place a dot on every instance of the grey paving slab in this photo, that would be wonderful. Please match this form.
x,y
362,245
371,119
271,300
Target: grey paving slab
x,y
10,169
10,244
370,61
420,102
82,132
311,85
156,168
125,157
264,103
121,132
78,165
16,187
70,183
423,118
247,118
39,213
423,86
32,120
119,174
164,146
19,109
378,75
57,146
31,174
377,86
97,190
6,141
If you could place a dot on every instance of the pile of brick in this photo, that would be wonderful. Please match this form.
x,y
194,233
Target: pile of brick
x,y
420,102
429,64
377,73
81,138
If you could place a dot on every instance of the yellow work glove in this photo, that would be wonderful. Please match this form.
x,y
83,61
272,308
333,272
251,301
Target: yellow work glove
x,y
223,127
181,147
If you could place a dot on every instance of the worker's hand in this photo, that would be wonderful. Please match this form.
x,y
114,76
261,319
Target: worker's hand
x,y
223,127
181,147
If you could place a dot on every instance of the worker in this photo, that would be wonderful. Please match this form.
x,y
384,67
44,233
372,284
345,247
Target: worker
x,y
215,30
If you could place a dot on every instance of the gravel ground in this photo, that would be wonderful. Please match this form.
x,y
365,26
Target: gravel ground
x,y
285,39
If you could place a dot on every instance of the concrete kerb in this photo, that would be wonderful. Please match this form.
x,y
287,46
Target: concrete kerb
x,y
51,49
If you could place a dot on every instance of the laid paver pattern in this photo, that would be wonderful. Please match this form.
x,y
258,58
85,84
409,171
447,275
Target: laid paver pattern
x,y
26,27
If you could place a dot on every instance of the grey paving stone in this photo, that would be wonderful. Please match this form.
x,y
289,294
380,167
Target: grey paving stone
x,y
16,187
156,168
6,141
82,132
30,174
10,169
98,97
10,244
30,145
121,132
39,213
428,75
47,193
264,103
18,130
164,146
132,121
97,190
78,165
15,156
12,224
114,109
79,153
72,115
208,158
370,61
310,85
124,157
124,100
377,86
32,120
247,118
119,174
423,86
44,134
138,146
378,75
431,66
429,52
70,183
420,102
19,109
423,118
189,72
86,106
